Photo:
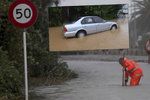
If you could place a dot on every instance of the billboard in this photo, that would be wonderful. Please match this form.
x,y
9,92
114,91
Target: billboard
x,y
91,2
75,27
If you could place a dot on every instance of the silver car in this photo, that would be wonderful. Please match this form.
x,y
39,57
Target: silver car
x,y
88,25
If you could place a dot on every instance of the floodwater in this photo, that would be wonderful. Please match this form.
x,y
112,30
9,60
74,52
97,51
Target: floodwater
x,y
97,81
116,39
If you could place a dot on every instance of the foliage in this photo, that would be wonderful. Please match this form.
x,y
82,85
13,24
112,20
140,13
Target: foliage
x,y
10,79
146,37
60,15
141,16
41,62
10,56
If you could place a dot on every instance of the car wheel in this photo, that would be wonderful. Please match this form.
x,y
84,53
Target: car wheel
x,y
113,27
81,34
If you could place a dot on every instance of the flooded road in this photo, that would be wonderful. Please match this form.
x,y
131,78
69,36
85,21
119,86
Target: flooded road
x,y
115,39
97,81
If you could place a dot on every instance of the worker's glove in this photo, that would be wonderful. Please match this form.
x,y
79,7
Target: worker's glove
x,y
126,81
125,70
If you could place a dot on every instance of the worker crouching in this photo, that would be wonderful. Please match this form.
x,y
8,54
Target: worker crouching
x,y
132,70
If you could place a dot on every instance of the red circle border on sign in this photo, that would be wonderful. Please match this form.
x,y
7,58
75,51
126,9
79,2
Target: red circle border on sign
x,y
22,25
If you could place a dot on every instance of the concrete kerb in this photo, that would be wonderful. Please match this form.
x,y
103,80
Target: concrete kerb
x,y
102,57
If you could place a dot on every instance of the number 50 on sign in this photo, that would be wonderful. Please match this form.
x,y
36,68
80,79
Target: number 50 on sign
x,y
22,13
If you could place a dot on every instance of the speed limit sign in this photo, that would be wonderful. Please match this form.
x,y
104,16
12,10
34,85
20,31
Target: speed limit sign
x,y
22,13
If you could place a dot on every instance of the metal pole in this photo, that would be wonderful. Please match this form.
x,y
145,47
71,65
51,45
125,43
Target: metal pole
x,y
123,77
123,69
25,65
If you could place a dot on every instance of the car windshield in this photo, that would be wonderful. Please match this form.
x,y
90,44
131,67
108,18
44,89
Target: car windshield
x,y
71,21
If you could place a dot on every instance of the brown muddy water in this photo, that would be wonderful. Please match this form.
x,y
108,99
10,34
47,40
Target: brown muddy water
x,y
116,39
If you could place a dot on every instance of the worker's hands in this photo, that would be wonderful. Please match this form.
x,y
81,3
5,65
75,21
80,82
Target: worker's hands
x,y
126,81
124,69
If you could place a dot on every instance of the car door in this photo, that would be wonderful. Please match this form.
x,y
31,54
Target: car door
x,y
89,25
101,24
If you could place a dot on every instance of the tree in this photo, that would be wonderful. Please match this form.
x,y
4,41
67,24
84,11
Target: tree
x,y
11,74
10,79
141,16
41,62
140,23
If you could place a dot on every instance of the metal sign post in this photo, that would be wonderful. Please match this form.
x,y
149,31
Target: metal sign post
x,y
25,64
122,51
23,14
123,77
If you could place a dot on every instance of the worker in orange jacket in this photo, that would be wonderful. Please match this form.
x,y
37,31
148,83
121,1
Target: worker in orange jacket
x,y
131,69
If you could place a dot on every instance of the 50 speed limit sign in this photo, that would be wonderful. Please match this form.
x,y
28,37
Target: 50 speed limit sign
x,y
22,13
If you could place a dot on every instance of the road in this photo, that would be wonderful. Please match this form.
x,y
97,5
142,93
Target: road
x,y
97,81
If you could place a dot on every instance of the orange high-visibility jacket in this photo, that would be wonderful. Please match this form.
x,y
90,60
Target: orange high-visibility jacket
x,y
132,68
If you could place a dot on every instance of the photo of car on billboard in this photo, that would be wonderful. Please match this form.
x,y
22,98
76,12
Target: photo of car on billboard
x,y
88,25
75,28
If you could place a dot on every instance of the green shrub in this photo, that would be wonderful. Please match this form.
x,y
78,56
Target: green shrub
x,y
10,80
46,64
